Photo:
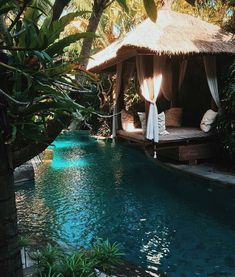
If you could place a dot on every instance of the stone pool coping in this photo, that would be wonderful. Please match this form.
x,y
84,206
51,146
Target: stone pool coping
x,y
214,172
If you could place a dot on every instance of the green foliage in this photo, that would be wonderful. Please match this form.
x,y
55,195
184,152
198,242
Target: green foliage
x,y
24,242
131,98
107,255
117,19
50,31
78,264
57,47
218,12
50,273
53,262
226,119
45,258
34,86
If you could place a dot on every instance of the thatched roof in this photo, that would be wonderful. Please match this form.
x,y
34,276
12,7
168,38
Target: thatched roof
x,y
172,34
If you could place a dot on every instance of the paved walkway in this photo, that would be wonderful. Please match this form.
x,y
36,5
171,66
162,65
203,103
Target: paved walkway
x,y
209,171
212,171
219,173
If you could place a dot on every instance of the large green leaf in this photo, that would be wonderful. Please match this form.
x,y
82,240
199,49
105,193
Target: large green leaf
x,y
36,81
35,8
60,69
151,9
45,89
52,30
30,38
58,47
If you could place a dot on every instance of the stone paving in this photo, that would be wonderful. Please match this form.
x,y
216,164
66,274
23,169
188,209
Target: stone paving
x,y
210,171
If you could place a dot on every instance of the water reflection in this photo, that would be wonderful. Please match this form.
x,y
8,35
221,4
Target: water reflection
x,y
162,221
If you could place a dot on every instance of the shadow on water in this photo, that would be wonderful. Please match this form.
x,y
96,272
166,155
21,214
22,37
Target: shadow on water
x,y
178,225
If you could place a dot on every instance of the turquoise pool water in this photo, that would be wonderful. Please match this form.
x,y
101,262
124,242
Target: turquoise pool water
x,y
169,223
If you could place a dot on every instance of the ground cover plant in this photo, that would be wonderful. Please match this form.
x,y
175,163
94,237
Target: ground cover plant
x,y
102,256
226,119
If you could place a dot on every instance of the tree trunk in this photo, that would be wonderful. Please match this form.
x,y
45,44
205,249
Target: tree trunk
x,y
58,8
92,27
26,153
10,257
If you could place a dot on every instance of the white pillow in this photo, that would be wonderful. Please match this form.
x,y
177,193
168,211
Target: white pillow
x,y
161,124
208,120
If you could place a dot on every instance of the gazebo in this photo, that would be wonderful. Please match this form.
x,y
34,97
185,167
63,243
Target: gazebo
x,y
162,53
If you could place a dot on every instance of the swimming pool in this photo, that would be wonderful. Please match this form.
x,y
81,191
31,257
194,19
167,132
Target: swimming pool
x,y
163,221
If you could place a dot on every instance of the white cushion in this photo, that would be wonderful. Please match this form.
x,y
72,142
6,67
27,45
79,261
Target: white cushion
x,y
208,120
161,124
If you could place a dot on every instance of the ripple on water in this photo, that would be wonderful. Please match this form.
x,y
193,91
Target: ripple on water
x,y
162,221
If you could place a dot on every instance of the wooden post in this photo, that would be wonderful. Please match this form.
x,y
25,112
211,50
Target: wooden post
x,y
120,105
175,82
154,150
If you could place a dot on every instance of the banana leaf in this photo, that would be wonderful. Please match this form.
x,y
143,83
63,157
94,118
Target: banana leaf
x,y
52,30
61,69
58,47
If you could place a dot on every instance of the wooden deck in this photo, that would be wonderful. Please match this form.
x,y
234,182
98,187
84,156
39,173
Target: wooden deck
x,y
181,144
176,135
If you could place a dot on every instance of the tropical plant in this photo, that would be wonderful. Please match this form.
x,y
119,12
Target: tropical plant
x,y
78,264
83,263
106,255
226,118
23,244
34,100
50,273
98,8
115,23
46,257
131,98
219,12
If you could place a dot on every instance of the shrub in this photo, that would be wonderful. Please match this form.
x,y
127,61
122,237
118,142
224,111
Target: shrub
x,y
53,262
107,255
226,119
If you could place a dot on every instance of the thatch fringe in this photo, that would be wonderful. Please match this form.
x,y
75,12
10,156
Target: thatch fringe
x,y
173,34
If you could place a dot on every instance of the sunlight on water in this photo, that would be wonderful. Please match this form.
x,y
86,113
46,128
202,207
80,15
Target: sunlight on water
x,y
68,144
60,163
165,222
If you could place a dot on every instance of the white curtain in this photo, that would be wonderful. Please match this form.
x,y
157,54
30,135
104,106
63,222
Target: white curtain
x,y
182,72
152,132
116,94
210,68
